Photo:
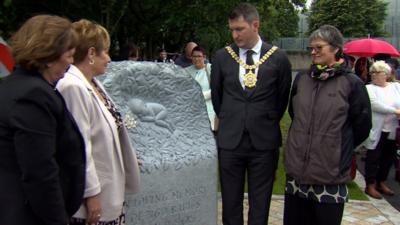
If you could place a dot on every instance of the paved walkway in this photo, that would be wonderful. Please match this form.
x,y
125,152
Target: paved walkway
x,y
391,182
355,213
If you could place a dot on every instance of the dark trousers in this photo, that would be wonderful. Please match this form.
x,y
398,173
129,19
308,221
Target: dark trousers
x,y
379,160
260,166
302,211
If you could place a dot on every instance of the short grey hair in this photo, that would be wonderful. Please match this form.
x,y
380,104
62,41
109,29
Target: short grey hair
x,y
329,34
380,66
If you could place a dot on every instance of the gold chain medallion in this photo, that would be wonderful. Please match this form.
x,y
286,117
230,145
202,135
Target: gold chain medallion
x,y
250,78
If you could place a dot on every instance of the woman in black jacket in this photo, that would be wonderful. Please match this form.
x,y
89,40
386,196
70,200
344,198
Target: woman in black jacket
x,y
42,160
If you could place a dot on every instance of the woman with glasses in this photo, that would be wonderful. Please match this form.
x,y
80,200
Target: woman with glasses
x,y
200,71
331,115
385,104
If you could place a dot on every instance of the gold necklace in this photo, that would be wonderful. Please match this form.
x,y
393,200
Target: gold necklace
x,y
250,78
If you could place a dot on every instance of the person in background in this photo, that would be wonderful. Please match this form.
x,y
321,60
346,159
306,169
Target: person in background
x,y
201,73
130,52
380,57
350,60
163,57
394,65
250,85
112,167
381,145
361,70
42,157
185,60
331,116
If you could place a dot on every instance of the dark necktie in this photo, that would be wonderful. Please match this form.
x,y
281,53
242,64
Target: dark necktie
x,y
249,57
249,61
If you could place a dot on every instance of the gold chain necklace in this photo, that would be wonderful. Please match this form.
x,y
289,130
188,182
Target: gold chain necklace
x,y
250,78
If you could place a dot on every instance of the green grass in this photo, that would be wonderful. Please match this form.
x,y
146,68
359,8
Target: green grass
x,y
279,186
355,193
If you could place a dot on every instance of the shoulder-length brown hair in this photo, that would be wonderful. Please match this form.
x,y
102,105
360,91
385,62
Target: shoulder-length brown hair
x,y
90,34
42,39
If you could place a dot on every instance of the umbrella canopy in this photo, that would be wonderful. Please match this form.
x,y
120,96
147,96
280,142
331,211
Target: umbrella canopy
x,y
369,47
6,60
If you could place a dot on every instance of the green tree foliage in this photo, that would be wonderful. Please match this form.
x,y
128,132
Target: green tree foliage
x,y
355,18
284,18
178,22
7,18
299,3
153,24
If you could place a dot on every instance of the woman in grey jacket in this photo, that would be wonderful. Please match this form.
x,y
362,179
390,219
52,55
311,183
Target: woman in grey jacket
x,y
331,115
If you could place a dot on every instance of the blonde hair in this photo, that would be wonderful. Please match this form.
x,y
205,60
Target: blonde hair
x,y
90,34
42,39
381,66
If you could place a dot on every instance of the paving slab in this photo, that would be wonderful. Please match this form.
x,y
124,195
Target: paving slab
x,y
371,212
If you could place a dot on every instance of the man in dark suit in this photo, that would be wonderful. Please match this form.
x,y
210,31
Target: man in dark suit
x,y
250,84
163,57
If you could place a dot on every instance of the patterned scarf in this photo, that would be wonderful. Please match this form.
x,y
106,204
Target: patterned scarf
x,y
324,72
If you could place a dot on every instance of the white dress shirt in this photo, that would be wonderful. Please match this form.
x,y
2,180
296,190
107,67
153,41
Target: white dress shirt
x,y
256,58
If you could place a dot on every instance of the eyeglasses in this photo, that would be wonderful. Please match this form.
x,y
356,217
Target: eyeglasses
x,y
316,48
376,73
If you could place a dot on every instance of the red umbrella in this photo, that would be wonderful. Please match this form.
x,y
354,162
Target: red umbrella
x,y
369,47
6,60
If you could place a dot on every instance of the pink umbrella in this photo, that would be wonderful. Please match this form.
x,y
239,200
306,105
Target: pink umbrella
x,y
369,47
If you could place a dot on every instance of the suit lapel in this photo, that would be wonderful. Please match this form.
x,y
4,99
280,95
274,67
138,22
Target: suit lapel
x,y
236,69
264,49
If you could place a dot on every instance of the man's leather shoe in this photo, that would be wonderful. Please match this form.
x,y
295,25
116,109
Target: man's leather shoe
x,y
371,191
383,188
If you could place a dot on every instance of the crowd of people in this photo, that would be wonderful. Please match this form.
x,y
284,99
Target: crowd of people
x,y
66,158
380,74
132,52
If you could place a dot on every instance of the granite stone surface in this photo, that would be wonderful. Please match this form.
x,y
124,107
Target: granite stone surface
x,y
165,113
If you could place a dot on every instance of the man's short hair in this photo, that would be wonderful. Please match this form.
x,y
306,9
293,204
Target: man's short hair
x,y
247,10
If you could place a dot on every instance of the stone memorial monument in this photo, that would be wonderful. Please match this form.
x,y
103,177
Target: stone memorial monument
x,y
165,113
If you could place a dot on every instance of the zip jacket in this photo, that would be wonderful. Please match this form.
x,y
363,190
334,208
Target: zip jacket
x,y
329,119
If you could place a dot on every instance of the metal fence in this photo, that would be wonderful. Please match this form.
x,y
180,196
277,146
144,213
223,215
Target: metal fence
x,y
300,44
